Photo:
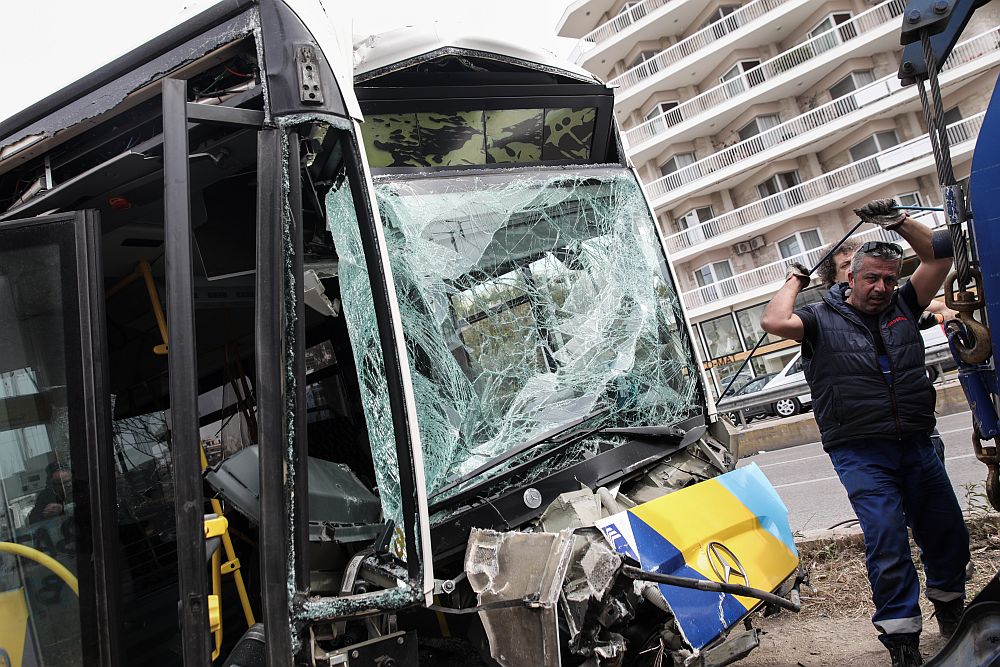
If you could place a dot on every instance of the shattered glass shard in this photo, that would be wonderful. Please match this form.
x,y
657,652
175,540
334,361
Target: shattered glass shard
x,y
529,297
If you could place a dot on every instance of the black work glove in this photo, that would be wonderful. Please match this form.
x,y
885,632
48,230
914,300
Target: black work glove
x,y
926,320
881,212
800,272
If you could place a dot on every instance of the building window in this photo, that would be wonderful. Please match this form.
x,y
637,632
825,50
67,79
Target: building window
x,y
661,108
853,81
720,13
778,185
913,199
720,27
758,125
663,112
827,39
876,143
695,216
676,162
642,57
739,77
691,222
749,321
952,115
799,242
629,5
721,336
717,279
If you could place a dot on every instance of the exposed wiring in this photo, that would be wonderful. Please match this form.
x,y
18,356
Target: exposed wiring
x,y
235,73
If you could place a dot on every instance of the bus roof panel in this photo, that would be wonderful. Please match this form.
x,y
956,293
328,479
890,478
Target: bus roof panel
x,y
381,54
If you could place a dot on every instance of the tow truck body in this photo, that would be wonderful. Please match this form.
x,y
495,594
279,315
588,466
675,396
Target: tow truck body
x,y
929,31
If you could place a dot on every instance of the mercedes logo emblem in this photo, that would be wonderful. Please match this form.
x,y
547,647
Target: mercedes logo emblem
x,y
726,565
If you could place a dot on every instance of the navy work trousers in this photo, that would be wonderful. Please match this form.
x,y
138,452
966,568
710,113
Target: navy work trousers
x,y
892,484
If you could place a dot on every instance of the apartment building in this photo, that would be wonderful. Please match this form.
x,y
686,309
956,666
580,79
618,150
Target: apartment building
x,y
757,127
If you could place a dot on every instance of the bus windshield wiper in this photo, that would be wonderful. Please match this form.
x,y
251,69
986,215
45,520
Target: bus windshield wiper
x,y
547,437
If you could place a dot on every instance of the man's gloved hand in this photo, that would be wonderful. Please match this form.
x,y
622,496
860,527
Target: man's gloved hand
x,y
927,320
881,212
800,272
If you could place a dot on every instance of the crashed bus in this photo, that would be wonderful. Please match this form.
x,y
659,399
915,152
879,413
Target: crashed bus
x,y
306,365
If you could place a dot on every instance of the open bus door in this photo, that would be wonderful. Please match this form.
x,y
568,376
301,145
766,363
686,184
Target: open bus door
x,y
58,600
216,197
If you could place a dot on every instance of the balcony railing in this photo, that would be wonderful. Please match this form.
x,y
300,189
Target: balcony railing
x,y
851,174
964,52
861,24
773,273
699,40
611,28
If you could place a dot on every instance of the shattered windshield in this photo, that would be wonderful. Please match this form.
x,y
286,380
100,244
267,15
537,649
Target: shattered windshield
x,y
529,298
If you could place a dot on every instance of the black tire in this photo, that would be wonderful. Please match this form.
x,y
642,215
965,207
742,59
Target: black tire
x,y
932,373
786,407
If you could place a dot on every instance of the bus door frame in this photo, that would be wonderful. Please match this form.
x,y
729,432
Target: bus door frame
x,y
91,456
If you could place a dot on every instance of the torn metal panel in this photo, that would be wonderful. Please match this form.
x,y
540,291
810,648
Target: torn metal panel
x,y
507,509
731,529
118,88
395,50
299,75
679,470
495,564
368,604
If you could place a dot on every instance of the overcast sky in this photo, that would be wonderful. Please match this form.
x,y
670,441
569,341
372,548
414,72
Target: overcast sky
x,y
43,50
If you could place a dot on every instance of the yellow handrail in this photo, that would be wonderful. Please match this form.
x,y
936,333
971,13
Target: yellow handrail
x,y
42,559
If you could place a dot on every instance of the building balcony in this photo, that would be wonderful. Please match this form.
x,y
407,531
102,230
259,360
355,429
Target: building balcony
x,y
906,160
761,282
625,28
752,25
819,127
781,76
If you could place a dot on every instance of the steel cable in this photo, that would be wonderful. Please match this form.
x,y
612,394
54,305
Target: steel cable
x,y
938,133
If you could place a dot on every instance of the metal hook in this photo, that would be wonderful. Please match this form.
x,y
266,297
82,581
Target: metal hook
x,y
988,456
967,303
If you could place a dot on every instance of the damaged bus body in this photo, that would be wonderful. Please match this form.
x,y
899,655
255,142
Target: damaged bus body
x,y
419,373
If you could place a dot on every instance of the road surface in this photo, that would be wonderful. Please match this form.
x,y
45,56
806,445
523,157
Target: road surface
x,y
808,484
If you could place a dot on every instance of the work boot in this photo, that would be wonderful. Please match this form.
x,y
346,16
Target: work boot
x,y
905,655
948,614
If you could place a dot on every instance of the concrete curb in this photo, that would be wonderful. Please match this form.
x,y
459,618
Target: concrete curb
x,y
815,538
802,429
812,539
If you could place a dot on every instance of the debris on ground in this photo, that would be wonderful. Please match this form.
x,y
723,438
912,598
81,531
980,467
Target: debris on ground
x,y
834,626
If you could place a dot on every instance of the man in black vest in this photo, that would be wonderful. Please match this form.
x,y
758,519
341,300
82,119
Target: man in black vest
x,y
863,357
833,270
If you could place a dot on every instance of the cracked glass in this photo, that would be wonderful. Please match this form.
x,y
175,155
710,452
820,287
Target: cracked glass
x,y
529,298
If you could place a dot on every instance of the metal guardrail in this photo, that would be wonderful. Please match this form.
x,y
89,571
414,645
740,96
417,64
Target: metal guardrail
x,y
937,355
613,26
813,119
689,46
774,273
868,21
832,181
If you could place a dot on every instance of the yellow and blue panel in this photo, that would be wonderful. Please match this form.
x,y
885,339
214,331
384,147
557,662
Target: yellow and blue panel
x,y
731,529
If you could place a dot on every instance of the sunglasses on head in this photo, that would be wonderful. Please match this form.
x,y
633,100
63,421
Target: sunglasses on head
x,y
882,249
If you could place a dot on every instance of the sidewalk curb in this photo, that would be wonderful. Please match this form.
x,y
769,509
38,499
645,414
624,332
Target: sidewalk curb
x,y
802,429
812,539
815,538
